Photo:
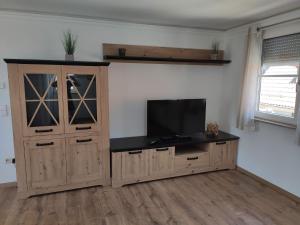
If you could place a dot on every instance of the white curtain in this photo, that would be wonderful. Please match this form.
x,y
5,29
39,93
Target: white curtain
x,y
249,88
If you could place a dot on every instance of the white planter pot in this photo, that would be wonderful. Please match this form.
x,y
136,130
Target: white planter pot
x,y
69,57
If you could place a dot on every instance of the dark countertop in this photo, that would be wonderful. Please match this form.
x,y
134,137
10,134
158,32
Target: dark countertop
x,y
143,142
55,62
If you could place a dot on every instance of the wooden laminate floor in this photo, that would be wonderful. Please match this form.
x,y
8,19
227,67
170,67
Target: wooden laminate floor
x,y
219,198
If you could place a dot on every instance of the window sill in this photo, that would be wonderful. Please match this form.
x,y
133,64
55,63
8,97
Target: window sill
x,y
259,119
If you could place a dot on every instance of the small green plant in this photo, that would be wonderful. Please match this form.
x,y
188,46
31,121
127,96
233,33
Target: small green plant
x,y
69,42
215,47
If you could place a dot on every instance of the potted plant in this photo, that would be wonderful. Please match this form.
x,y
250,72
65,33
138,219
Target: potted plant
x,y
69,43
215,50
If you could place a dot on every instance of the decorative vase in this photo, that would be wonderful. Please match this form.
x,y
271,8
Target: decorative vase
x,y
212,130
69,57
122,52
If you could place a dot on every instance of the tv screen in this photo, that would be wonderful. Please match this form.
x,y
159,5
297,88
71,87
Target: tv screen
x,y
175,117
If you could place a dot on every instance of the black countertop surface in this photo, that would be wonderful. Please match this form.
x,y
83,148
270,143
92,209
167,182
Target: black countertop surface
x,y
56,62
144,142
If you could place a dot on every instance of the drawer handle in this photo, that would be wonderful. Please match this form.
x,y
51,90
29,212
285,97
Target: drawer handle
x,y
162,149
221,143
44,144
136,152
83,128
84,140
192,158
43,131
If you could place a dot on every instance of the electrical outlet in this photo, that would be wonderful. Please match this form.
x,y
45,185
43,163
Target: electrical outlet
x,y
10,161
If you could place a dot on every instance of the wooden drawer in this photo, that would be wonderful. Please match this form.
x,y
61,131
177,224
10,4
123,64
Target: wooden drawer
x,y
192,161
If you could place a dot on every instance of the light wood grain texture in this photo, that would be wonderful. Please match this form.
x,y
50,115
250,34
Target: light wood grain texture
x,y
192,161
104,125
135,165
152,164
8,184
219,198
155,51
85,159
13,78
224,155
161,161
45,163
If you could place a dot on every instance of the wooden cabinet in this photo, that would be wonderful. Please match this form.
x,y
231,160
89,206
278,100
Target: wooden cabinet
x,y
161,161
60,124
45,163
224,155
134,165
85,159
150,164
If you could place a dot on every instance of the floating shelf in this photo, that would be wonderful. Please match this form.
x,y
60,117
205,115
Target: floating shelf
x,y
163,55
135,59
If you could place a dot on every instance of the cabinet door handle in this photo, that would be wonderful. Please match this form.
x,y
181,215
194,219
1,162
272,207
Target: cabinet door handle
x,y
162,149
84,140
221,143
192,158
43,131
44,144
136,152
83,128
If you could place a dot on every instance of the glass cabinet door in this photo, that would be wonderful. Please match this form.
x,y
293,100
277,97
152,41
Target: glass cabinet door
x,y
41,99
81,98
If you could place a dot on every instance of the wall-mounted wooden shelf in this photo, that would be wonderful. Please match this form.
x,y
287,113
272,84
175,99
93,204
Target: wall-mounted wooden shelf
x,y
134,59
162,55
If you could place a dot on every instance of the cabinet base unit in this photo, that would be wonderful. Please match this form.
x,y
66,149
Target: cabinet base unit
x,y
134,160
60,125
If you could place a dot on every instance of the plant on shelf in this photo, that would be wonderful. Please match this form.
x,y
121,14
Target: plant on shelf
x,y
215,50
70,43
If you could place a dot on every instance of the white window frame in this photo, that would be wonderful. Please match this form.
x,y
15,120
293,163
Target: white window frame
x,y
272,118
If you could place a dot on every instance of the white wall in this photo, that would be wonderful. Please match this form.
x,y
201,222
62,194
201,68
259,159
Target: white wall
x,y
130,85
271,152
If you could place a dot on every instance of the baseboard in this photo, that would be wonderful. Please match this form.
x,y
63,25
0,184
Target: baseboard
x,y
9,184
270,185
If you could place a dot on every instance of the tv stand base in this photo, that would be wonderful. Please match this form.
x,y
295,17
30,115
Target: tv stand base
x,y
134,166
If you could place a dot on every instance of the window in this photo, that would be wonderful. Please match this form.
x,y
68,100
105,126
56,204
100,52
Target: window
x,y
277,82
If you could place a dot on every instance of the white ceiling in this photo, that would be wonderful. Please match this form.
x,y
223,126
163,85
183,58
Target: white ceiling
x,y
212,14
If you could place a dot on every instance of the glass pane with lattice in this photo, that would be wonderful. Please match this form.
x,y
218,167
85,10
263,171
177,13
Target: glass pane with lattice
x,y
80,84
83,116
31,107
92,90
43,117
72,92
30,93
42,84
92,106
72,107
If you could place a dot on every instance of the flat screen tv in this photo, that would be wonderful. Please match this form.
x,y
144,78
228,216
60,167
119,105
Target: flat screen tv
x,y
170,118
